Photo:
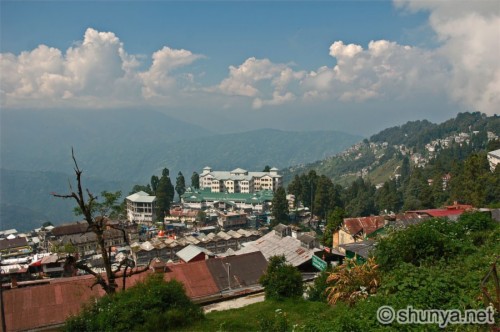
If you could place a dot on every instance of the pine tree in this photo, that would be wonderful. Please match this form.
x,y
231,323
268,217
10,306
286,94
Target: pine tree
x,y
195,180
180,184
164,194
279,207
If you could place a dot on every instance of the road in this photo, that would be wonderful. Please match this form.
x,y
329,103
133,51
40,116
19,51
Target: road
x,y
234,303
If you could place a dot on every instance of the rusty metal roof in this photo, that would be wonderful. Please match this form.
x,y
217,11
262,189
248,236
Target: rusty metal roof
x,y
195,276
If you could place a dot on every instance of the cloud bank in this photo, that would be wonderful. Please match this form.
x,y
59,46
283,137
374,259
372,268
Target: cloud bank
x,y
98,73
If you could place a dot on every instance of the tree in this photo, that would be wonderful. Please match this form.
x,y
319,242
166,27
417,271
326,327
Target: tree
x,y
195,180
89,207
267,169
388,197
138,187
279,208
180,184
154,183
151,305
164,194
334,221
108,208
295,188
281,280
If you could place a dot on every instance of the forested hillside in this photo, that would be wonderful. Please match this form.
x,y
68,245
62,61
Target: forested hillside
x,y
379,158
438,175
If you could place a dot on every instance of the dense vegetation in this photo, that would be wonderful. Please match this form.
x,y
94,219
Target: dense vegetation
x,y
281,280
471,182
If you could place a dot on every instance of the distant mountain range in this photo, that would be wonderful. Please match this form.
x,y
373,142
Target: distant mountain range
x,y
120,148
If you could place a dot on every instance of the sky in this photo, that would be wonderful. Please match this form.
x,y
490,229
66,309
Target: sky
x,y
354,66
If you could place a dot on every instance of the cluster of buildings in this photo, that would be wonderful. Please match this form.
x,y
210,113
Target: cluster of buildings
x,y
239,189
212,267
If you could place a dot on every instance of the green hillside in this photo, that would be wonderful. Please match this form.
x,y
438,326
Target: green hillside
x,y
379,158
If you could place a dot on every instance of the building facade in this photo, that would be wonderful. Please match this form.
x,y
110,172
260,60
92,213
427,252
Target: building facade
x,y
141,207
240,180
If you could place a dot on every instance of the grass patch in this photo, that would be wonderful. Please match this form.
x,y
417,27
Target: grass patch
x,y
253,316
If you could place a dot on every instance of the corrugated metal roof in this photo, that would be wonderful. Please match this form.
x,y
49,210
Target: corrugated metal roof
x,y
141,197
190,252
243,270
195,276
272,244
43,305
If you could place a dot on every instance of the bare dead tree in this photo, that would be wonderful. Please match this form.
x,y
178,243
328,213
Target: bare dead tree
x,y
98,225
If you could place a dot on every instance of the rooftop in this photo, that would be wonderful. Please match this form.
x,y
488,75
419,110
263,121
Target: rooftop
x,y
141,197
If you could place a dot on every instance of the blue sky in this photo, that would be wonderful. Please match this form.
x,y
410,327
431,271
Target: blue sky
x,y
347,65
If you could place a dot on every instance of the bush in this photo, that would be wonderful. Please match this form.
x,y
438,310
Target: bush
x,y
281,280
351,282
317,291
151,305
429,241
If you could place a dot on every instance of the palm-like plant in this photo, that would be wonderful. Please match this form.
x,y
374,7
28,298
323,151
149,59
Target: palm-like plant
x,y
352,281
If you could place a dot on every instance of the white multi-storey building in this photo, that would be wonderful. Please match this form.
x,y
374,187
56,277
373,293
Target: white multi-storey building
x,y
240,180
141,207
494,159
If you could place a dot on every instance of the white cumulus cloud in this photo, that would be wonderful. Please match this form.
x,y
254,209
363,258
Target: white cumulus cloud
x,y
469,32
384,70
249,80
94,73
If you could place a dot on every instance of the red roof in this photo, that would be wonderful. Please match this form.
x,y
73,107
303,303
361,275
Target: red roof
x,y
195,276
43,305
52,303
441,212
367,225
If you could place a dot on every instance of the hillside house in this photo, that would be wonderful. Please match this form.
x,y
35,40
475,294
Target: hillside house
x,y
141,207
14,247
356,230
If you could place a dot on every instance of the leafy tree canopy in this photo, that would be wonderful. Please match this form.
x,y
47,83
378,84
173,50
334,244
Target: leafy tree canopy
x,y
152,305
281,280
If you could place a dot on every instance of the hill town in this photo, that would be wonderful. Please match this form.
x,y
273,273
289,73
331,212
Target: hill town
x,y
220,236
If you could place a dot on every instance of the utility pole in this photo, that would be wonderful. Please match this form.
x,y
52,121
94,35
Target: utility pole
x,y
228,265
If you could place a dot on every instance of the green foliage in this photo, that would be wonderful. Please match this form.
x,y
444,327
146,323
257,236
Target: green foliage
x,y
333,223
164,194
317,291
195,180
351,282
278,323
429,241
180,184
279,208
281,280
152,305
359,199
106,205
138,187
154,183
451,283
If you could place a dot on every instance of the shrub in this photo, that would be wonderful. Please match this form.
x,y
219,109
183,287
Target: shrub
x,y
151,305
429,241
352,281
281,280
